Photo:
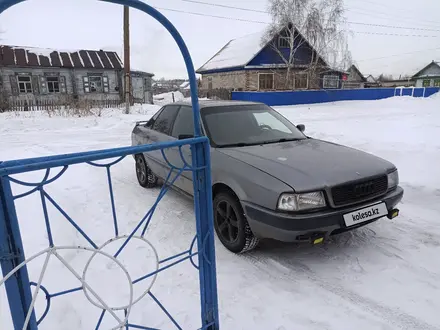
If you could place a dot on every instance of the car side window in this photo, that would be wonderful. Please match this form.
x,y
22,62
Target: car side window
x,y
165,120
184,125
153,119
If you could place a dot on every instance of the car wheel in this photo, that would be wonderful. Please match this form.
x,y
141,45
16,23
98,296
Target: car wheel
x,y
145,177
231,225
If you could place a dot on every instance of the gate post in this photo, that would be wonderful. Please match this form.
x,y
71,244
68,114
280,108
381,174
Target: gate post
x,y
17,287
205,235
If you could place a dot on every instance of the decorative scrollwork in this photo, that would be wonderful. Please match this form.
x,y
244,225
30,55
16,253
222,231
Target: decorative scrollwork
x,y
53,252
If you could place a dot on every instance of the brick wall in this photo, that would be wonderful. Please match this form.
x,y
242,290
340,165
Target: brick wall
x,y
248,80
228,80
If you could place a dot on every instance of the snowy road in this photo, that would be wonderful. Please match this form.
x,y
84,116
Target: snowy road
x,y
383,276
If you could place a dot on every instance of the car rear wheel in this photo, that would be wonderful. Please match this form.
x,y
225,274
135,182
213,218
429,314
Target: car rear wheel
x,y
231,225
145,177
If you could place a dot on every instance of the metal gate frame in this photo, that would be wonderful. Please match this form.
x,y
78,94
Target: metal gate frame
x,y
12,259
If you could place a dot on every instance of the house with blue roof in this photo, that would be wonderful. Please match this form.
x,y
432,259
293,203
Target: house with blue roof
x,y
257,63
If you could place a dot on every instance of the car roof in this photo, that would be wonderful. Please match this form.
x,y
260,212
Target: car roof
x,y
215,103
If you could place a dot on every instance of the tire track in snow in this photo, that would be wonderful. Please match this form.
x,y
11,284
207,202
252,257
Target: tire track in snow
x,y
394,317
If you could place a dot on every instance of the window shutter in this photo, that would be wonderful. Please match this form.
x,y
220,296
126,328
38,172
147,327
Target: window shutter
x,y
43,85
62,84
105,84
86,84
35,84
14,85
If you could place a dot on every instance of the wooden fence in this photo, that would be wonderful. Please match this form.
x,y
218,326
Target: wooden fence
x,y
50,105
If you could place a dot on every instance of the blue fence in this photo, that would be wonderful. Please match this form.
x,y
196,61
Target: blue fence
x,y
322,96
19,283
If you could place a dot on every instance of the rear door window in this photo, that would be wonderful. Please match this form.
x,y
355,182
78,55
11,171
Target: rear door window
x,y
165,120
184,125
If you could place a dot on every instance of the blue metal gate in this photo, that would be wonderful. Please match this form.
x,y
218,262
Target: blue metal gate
x,y
13,261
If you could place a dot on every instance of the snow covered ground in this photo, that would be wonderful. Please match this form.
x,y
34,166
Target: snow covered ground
x,y
383,276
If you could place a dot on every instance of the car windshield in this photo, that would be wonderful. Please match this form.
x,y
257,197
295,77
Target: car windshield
x,y
250,124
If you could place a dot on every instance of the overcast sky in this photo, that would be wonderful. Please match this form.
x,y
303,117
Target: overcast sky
x,y
89,24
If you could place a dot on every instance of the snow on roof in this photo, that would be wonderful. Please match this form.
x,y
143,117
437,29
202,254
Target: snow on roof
x,y
237,52
20,56
240,51
184,84
371,79
420,73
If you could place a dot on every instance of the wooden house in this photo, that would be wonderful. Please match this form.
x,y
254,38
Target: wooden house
x,y
429,76
355,79
251,63
41,75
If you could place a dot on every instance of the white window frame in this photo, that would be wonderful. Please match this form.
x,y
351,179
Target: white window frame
x,y
273,80
27,91
299,74
427,79
90,85
330,77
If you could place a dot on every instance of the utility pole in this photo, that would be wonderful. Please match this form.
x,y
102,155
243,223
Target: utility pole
x,y
127,58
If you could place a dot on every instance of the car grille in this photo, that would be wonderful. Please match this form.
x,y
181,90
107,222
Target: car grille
x,y
359,191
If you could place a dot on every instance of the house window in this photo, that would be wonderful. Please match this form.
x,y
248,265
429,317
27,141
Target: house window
x,y
301,81
426,82
330,81
53,84
95,83
24,84
437,83
283,42
265,81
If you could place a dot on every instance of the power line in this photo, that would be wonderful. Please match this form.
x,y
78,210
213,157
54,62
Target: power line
x,y
225,6
394,9
266,23
266,12
388,17
397,55
397,34
214,16
393,26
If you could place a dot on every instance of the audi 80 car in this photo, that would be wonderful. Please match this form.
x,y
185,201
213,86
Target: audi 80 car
x,y
269,179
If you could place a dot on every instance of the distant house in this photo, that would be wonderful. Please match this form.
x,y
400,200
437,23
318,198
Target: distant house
x,y
38,75
141,86
355,79
250,63
397,83
429,76
372,82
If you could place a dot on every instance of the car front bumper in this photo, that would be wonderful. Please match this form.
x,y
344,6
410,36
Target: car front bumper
x,y
304,227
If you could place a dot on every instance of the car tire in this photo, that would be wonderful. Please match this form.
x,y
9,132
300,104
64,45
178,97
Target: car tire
x,y
231,225
145,176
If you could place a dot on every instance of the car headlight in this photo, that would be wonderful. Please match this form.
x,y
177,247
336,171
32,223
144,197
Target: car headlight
x,y
393,179
301,202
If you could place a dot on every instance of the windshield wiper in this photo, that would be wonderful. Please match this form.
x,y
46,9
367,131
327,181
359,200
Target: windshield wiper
x,y
282,140
239,144
247,144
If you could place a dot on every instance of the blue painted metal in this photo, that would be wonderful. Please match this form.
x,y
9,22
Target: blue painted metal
x,y
323,96
11,246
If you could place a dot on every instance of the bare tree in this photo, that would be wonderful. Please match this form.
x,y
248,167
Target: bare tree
x,y
315,25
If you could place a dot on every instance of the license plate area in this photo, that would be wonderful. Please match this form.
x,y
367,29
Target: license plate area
x,y
365,214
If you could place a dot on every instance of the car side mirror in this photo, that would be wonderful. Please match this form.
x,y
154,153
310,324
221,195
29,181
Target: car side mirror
x,y
185,136
301,127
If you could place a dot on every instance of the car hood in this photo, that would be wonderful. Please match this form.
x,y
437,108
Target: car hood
x,y
310,164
